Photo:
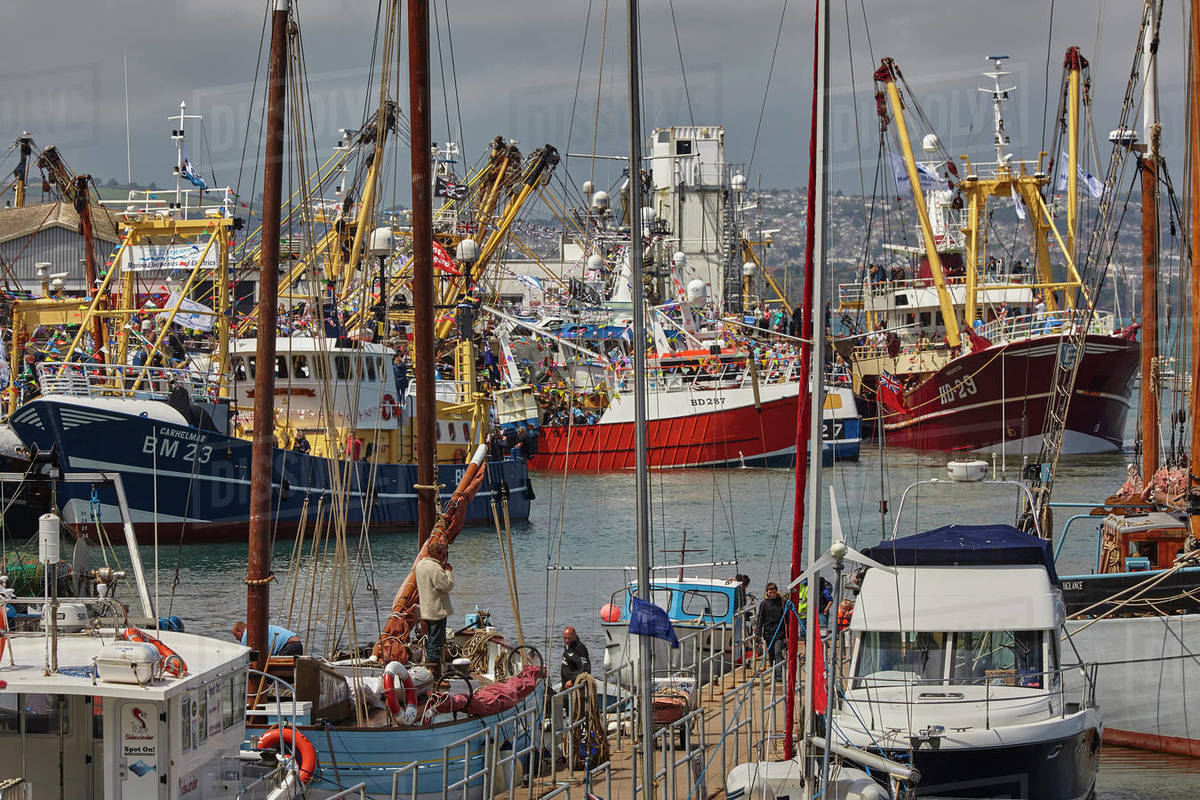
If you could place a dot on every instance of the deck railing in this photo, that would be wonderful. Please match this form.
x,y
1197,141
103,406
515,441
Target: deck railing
x,y
119,380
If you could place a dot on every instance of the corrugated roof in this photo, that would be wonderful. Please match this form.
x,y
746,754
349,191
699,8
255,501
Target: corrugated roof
x,y
18,222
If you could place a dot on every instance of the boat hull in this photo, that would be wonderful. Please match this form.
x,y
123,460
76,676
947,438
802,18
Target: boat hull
x,y
193,485
349,755
1146,668
981,400
1058,768
717,428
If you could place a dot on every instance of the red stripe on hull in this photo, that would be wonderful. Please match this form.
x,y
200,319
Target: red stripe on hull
x,y
1176,745
979,399
708,438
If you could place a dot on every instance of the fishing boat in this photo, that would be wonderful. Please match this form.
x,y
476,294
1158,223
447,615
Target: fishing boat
x,y
959,347
141,379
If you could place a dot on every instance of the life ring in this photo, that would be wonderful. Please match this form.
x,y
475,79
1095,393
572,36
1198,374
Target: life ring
x,y
299,743
711,365
172,661
460,455
395,671
390,407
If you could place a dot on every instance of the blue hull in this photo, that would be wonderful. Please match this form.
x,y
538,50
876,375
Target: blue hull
x,y
195,484
347,755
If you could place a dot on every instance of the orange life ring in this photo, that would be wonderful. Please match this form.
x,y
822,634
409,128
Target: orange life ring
x,y
172,661
390,407
299,743
395,671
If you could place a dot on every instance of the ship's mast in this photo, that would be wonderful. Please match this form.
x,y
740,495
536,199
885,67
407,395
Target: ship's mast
x,y
1000,139
1151,131
258,577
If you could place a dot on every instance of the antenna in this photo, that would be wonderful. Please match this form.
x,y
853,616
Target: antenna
x,y
128,152
1000,138
178,136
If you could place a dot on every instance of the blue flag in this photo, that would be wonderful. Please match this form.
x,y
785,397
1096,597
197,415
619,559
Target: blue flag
x,y
648,619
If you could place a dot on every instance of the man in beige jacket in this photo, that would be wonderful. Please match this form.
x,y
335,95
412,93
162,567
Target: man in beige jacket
x,y
435,579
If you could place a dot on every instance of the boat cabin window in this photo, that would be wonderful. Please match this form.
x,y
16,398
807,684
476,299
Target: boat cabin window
x,y
370,369
711,605
281,370
321,367
300,367
239,369
341,366
10,721
45,713
1012,658
887,658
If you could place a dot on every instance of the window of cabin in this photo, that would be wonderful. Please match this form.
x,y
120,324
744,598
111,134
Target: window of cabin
x,y
321,367
696,603
926,319
239,369
300,367
250,362
370,368
341,366
281,368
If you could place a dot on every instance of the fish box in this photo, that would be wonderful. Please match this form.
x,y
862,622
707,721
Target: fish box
x,y
128,662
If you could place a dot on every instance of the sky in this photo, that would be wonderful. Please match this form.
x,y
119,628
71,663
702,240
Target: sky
x,y
542,72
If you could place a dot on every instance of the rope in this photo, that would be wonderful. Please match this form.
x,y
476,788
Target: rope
x,y
589,741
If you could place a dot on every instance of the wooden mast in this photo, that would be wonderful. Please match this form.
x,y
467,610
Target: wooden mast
x,y
1193,139
1149,172
258,577
422,242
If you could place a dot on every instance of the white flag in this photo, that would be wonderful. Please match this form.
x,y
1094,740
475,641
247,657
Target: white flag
x,y
1017,204
191,314
1087,181
512,376
925,174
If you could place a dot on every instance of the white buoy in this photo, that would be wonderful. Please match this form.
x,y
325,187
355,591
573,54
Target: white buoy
x,y
49,526
967,470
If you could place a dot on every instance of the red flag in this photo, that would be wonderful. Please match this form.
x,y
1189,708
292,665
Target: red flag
x,y
890,392
978,343
442,260
820,699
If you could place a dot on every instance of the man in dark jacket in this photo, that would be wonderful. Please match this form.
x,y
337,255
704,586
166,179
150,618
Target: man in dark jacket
x,y
770,618
575,660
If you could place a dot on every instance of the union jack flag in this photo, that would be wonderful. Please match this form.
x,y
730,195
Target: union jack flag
x,y
891,392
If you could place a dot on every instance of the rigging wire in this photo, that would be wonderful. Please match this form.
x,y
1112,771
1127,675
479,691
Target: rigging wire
x,y
767,89
682,69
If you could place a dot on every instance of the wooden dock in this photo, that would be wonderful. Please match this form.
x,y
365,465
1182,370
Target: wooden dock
x,y
737,718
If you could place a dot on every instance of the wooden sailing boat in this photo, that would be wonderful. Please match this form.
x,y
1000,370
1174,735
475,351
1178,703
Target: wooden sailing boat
x,y
1138,611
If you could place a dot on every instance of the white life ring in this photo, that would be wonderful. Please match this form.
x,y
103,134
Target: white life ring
x,y
393,672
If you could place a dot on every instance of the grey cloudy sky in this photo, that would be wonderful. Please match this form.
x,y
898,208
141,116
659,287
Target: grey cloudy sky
x,y
516,68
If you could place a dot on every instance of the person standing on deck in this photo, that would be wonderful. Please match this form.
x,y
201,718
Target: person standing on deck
x,y
575,659
435,580
770,618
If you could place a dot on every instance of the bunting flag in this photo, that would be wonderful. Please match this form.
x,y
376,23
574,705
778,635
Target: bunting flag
x,y
1017,204
891,393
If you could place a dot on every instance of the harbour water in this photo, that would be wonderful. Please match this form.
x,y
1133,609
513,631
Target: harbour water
x,y
584,522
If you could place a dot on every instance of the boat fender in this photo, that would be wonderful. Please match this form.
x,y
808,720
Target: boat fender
x,y
299,744
395,672
172,661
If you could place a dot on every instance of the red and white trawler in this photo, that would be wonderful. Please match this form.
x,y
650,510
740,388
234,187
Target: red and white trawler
x,y
960,350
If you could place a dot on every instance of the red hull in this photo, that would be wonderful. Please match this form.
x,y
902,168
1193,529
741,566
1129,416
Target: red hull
x,y
732,436
981,399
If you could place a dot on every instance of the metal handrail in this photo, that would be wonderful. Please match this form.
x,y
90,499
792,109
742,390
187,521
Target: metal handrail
x,y
74,379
